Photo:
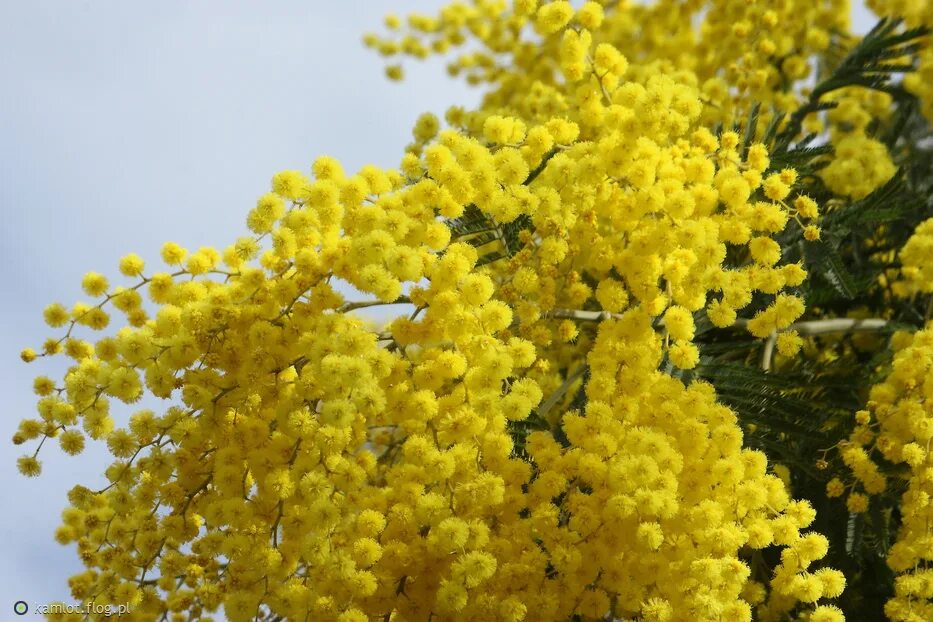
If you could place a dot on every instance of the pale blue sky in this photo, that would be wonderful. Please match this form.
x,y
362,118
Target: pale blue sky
x,y
126,124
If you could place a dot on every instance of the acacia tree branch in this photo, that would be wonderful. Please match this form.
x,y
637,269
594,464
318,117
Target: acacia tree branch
x,y
579,314
555,397
362,304
820,327
840,325
807,327
768,351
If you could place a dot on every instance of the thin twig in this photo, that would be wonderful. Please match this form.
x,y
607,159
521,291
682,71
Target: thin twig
x,y
578,314
819,327
811,328
840,325
558,393
768,351
350,306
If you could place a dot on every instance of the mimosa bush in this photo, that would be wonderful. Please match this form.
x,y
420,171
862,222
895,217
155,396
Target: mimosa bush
x,y
662,352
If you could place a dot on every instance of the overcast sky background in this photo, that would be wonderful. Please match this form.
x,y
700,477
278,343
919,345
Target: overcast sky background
x,y
126,124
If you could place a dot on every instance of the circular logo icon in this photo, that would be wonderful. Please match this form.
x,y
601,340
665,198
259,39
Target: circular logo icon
x,y
20,607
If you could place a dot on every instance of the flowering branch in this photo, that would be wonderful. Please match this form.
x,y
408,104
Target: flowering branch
x,y
819,327
362,304
807,327
555,397
835,325
578,314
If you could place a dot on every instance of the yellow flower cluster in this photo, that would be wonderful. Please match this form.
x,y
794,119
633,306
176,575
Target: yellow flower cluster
x,y
735,52
343,473
917,261
520,444
861,165
902,406
915,13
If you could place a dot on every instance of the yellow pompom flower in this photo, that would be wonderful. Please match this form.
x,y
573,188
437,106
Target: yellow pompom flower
x,y
857,502
679,323
827,613
684,355
765,250
291,185
55,315
173,254
94,284
835,488
29,466
775,188
789,343
72,442
590,15
553,16
131,265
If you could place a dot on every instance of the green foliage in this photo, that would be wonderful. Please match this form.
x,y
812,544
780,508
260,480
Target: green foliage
x,y
803,407
868,64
